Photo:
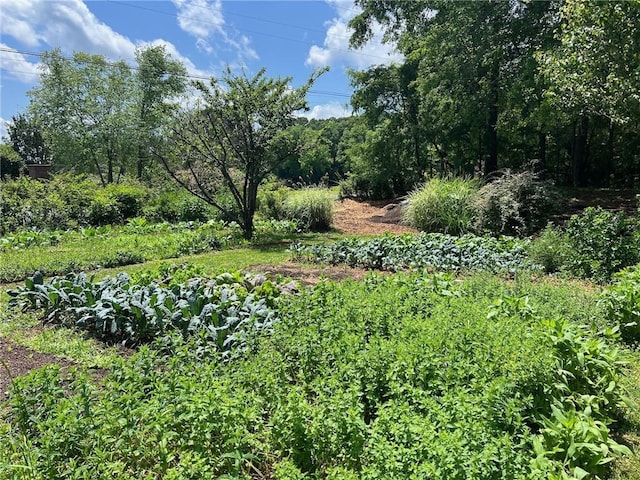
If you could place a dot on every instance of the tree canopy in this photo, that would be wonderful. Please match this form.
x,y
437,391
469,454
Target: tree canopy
x,y
233,138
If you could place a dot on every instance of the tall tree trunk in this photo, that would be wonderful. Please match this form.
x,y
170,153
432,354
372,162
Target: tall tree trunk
x,y
608,173
541,164
141,160
580,151
109,170
491,164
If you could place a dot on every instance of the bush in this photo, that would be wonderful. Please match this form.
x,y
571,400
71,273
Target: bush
x,y
129,198
311,208
443,205
550,250
271,200
177,206
621,302
515,204
601,243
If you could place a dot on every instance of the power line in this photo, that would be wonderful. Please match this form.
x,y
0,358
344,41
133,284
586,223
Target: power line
x,y
133,67
353,52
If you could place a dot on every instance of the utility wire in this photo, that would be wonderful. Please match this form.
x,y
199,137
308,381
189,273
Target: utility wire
x,y
353,52
133,67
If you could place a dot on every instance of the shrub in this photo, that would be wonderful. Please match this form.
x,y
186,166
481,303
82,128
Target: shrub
x,y
621,303
550,250
515,204
442,205
271,200
311,208
129,198
177,206
600,244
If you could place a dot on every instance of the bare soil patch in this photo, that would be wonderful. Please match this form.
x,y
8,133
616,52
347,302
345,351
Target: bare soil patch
x,y
369,218
311,275
19,360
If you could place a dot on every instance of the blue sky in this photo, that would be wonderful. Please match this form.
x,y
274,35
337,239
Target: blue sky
x,y
289,38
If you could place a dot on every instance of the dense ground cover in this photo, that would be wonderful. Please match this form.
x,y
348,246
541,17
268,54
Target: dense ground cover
x,y
53,253
409,375
393,377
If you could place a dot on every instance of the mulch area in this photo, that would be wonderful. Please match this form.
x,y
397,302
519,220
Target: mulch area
x,y
369,218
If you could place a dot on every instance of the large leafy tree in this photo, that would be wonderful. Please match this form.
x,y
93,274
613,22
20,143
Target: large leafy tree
x,y
84,105
159,81
466,55
234,138
593,77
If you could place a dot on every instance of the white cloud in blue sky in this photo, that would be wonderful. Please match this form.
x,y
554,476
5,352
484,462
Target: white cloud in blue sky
x,y
288,38
336,49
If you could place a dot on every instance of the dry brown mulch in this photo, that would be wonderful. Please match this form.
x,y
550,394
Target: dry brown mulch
x,y
369,218
19,360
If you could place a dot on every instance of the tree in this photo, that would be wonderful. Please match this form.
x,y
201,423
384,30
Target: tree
x,y
466,54
234,138
26,139
594,74
85,107
159,81
10,162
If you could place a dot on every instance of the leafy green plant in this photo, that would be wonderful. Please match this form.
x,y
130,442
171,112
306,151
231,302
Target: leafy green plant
x,y
395,376
442,205
226,308
517,204
621,302
427,250
550,250
601,243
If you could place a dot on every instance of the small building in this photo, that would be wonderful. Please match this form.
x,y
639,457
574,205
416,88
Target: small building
x,y
37,170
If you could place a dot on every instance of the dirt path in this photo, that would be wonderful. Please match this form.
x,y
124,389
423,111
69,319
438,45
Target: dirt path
x,y
369,218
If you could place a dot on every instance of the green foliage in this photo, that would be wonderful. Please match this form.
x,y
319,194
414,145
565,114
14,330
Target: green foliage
x,y
176,206
223,311
67,201
515,204
621,302
399,376
271,201
443,205
600,244
311,208
11,165
550,250
427,250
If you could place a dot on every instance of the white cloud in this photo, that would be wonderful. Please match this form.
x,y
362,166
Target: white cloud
x,y
328,110
200,18
70,25
204,19
3,129
17,66
336,49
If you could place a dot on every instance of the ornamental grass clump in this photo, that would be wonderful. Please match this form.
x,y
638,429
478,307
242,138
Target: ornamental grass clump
x,y
312,208
443,205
